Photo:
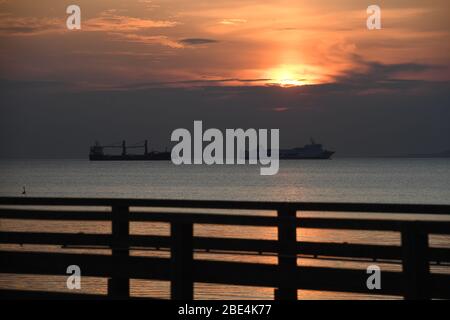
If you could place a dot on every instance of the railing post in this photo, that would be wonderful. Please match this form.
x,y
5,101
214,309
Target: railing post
x,y
182,256
416,267
119,284
287,253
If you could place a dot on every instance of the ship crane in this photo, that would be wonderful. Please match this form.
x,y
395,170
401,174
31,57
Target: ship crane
x,y
99,148
97,154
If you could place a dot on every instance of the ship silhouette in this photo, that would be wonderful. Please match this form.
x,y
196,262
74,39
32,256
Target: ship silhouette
x,y
97,153
308,151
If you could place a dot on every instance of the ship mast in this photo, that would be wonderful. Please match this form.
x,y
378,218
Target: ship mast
x,y
124,148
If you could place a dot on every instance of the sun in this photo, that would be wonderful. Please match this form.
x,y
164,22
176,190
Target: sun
x,y
285,76
289,82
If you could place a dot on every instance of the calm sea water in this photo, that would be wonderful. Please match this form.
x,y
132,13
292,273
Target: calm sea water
x,y
354,180
342,180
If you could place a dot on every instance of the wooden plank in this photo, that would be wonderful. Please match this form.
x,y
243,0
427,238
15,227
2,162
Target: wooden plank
x,y
308,278
80,239
119,284
7,294
139,217
343,250
375,208
328,249
219,244
200,218
439,254
348,280
347,250
234,244
287,254
440,286
324,249
93,265
63,239
247,205
435,227
415,262
232,273
350,224
182,284
30,214
152,241
44,295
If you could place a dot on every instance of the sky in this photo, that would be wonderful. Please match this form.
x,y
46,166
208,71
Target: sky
x,y
139,69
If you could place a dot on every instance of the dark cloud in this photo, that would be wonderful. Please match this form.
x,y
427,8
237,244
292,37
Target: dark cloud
x,y
199,82
373,72
197,41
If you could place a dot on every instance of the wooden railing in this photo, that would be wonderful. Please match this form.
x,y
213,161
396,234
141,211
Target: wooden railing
x,y
182,270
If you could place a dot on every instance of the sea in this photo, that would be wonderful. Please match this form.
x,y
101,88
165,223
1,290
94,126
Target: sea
x,y
365,180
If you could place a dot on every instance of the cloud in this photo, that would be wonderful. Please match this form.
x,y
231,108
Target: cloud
x,y
233,21
116,27
25,26
280,109
149,4
159,39
373,72
197,41
131,29
195,82
109,21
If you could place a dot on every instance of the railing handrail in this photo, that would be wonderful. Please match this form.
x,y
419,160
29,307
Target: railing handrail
x,y
367,224
183,270
440,209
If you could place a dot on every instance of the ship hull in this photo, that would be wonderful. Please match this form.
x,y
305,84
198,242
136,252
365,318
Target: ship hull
x,y
323,156
164,156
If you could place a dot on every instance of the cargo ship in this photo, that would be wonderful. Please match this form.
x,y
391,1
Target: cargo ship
x,y
309,151
97,153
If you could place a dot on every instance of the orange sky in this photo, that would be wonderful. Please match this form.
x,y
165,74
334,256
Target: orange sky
x,y
272,42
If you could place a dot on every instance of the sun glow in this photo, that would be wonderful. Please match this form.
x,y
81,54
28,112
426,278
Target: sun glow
x,y
285,76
